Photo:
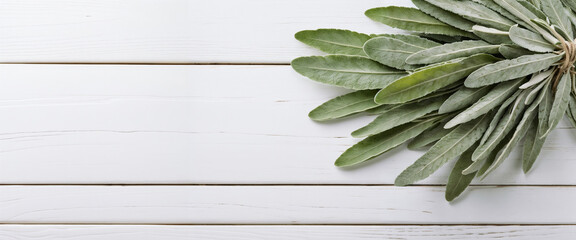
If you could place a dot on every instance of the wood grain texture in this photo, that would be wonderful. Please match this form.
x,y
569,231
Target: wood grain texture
x,y
172,31
78,124
135,232
284,205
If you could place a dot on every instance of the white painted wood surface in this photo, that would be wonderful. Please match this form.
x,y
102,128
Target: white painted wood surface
x,y
135,232
240,129
121,124
247,31
284,205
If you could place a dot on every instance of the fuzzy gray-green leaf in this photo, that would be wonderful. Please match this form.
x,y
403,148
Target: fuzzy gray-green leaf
x,y
513,51
350,72
428,80
530,40
532,147
510,69
449,147
463,98
504,126
344,105
375,145
561,101
493,99
458,182
492,35
393,52
334,41
474,12
544,111
412,19
451,51
557,14
428,137
444,16
398,116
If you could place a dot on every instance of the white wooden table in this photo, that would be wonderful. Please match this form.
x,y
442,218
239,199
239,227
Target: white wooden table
x,y
181,119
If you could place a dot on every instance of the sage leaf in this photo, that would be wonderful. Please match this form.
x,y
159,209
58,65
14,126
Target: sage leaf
x,y
350,72
451,51
537,78
428,137
463,98
458,182
504,126
532,147
378,144
530,40
496,96
474,12
518,10
490,160
510,69
558,15
498,116
561,100
544,111
344,105
334,41
447,17
412,19
513,51
571,4
520,132
446,149
404,114
428,80
383,108
393,52
492,35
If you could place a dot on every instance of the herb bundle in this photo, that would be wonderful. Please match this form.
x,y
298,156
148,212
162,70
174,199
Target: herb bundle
x,y
472,79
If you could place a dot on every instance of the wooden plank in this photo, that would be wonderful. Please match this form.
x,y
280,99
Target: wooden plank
x,y
155,232
171,31
198,125
284,205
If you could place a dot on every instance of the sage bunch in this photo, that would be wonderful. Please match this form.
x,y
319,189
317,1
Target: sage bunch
x,y
469,81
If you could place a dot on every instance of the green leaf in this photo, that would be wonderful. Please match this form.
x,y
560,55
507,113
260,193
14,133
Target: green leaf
x,y
451,51
444,16
492,35
532,147
561,100
383,108
474,12
504,126
344,105
544,111
510,69
458,182
537,78
490,160
412,19
334,41
530,40
493,99
518,10
404,114
428,137
350,72
428,80
520,132
571,4
498,116
513,51
557,14
463,98
378,144
449,147
393,51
